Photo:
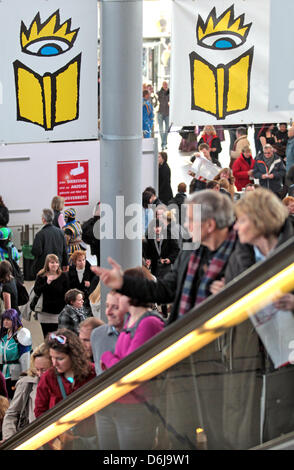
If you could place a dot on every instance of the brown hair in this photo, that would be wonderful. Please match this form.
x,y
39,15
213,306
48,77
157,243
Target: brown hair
x,y
77,254
45,269
71,295
203,146
5,271
91,322
231,178
74,348
182,187
57,203
163,156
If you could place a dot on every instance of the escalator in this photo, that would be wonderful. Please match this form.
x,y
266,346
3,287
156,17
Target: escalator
x,y
187,384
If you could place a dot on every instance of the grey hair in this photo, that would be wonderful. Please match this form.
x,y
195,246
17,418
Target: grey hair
x,y
268,146
214,205
47,215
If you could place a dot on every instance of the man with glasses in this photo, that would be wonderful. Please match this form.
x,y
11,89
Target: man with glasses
x,y
270,170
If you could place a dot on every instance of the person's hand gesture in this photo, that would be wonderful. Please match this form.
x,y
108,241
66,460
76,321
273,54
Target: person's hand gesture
x,y
112,278
216,286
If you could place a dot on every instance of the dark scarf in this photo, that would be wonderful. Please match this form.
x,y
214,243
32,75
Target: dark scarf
x,y
215,267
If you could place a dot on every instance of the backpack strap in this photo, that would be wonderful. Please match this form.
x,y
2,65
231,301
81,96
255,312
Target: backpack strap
x,y
23,416
132,329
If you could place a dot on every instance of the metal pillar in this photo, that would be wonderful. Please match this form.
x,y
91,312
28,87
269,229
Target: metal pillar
x,y
121,122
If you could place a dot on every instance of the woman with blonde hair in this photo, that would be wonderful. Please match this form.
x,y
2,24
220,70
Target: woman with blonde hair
x,y
209,137
57,205
262,225
95,301
52,284
21,409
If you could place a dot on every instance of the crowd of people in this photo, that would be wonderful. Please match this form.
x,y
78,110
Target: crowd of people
x,y
241,223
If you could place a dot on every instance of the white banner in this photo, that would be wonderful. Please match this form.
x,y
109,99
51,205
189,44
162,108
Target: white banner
x,y
220,63
48,70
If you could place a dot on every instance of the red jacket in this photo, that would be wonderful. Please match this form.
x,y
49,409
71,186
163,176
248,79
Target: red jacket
x,y
48,391
240,170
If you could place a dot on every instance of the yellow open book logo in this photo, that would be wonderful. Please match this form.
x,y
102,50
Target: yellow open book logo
x,y
50,99
223,89
53,98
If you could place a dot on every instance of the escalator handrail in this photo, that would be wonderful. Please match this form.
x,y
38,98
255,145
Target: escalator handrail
x,y
236,289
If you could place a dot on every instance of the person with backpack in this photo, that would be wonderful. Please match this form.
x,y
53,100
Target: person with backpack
x,y
134,423
90,233
7,248
15,348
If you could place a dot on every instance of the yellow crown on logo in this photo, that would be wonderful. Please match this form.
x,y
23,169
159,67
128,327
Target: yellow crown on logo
x,y
50,29
221,29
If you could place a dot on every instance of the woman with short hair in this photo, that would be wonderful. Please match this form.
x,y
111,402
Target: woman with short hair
x,y
80,275
128,423
74,311
243,168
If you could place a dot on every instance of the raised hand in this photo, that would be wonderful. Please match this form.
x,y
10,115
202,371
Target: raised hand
x,y
112,278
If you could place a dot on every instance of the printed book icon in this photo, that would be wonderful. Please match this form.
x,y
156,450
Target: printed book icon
x,y
52,98
225,88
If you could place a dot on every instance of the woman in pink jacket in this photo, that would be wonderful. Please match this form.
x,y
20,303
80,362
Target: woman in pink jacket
x,y
130,423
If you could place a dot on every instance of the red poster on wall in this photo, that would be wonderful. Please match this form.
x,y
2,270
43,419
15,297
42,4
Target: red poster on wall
x,y
73,182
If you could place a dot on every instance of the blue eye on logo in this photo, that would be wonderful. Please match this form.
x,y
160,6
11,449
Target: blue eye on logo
x,y
223,44
49,50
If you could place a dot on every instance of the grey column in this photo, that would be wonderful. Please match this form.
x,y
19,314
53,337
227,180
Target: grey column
x,y
121,122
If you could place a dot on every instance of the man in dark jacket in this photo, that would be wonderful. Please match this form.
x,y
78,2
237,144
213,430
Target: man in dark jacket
x,y
49,240
187,285
270,170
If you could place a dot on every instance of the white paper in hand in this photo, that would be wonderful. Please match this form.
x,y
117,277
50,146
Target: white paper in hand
x,y
204,168
276,331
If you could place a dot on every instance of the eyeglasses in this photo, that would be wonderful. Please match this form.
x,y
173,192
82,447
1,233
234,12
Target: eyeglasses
x,y
60,338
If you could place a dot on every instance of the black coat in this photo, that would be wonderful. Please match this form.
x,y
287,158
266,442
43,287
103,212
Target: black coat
x,y
74,282
49,240
164,188
169,249
277,168
53,293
